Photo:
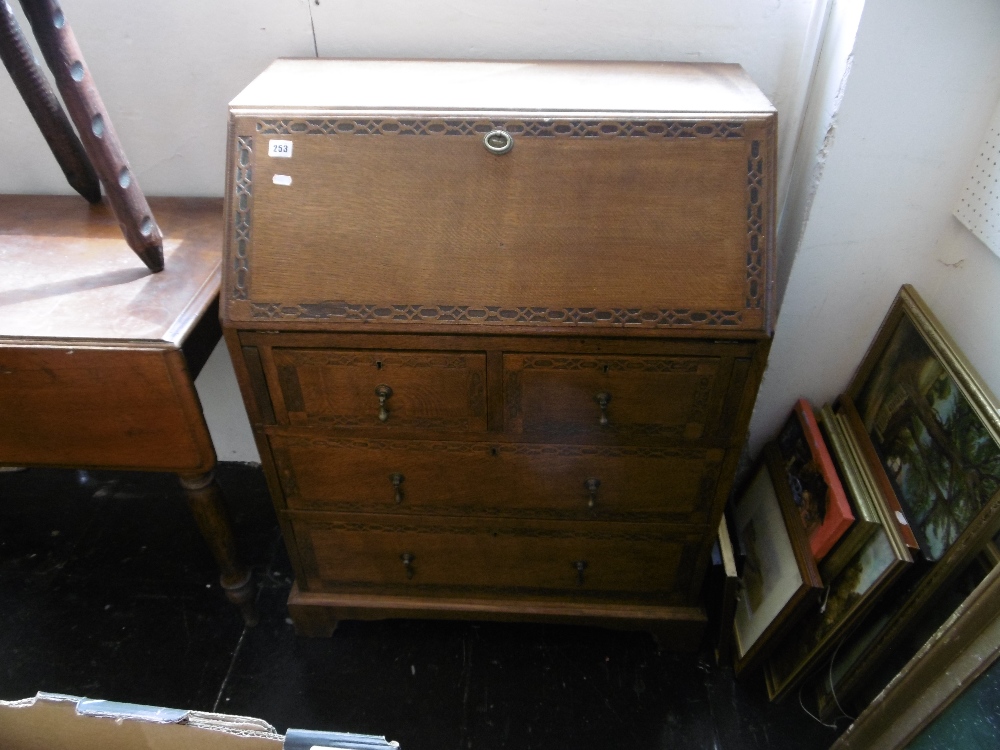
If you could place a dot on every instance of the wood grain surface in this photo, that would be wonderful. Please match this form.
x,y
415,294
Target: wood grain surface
x,y
67,272
574,330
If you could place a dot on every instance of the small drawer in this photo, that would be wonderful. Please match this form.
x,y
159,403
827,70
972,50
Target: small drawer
x,y
384,389
442,556
576,397
573,482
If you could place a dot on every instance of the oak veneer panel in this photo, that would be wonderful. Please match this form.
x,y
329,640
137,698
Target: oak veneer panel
x,y
433,390
496,480
666,229
663,397
450,556
656,216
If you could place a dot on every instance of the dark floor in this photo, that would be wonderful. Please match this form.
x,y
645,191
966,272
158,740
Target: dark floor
x,y
107,591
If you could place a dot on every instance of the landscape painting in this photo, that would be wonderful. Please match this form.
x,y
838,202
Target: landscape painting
x,y
941,459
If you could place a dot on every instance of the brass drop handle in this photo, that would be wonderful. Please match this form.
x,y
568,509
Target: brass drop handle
x,y
592,484
407,559
580,566
603,399
383,392
397,479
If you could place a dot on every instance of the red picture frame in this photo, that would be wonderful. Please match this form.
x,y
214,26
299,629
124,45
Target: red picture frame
x,y
819,495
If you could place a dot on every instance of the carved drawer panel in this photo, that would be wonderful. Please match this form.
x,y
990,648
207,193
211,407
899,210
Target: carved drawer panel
x,y
388,389
448,556
674,485
557,396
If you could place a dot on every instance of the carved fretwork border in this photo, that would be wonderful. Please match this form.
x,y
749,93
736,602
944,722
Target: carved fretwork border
x,y
346,311
756,238
522,128
243,186
495,315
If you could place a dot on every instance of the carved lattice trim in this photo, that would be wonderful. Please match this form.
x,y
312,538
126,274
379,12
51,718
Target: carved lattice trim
x,y
521,128
496,315
607,364
241,216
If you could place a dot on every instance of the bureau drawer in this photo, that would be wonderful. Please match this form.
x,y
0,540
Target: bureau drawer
x,y
538,481
448,556
558,397
386,389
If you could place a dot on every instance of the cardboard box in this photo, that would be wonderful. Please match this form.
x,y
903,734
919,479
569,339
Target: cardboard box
x,y
63,722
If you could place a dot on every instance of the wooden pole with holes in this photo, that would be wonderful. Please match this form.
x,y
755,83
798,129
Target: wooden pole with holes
x,y
45,108
62,53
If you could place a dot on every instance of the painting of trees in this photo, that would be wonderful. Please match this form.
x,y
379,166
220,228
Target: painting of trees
x,y
943,462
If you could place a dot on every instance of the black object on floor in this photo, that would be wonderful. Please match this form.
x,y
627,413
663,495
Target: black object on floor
x,y
107,591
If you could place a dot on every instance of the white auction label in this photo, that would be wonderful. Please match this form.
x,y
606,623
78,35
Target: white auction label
x,y
280,149
282,179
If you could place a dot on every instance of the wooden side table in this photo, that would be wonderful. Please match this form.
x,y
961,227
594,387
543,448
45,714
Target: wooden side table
x,y
98,356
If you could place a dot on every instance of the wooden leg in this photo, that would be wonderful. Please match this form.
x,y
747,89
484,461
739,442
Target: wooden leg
x,y
205,500
310,620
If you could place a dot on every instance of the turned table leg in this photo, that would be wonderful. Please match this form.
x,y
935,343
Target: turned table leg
x,y
205,500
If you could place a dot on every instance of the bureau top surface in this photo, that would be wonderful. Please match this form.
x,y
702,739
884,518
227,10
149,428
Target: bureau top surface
x,y
66,271
539,86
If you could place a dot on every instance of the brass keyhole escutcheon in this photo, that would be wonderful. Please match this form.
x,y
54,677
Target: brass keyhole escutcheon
x,y
592,484
580,566
383,392
498,142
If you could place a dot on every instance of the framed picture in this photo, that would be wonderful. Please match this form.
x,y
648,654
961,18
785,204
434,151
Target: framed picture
x,y
866,517
720,594
780,580
841,681
849,597
932,431
962,650
933,425
816,489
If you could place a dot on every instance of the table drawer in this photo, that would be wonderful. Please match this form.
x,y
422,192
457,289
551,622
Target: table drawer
x,y
449,556
557,396
386,389
538,481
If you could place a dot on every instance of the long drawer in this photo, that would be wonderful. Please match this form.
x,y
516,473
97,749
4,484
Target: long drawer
x,y
434,556
675,485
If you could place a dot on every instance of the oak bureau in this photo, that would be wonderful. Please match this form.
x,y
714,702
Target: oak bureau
x,y
499,328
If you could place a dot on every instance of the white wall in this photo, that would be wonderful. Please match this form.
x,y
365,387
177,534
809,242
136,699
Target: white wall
x,y
166,71
924,83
